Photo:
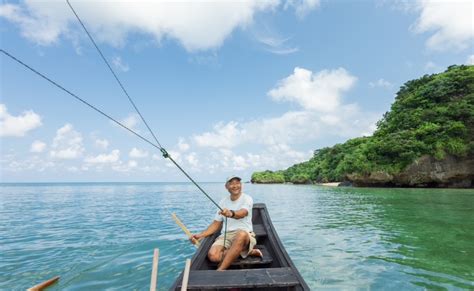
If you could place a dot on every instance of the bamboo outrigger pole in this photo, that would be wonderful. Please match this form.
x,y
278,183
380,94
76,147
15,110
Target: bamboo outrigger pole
x,y
154,270
186,231
184,283
45,284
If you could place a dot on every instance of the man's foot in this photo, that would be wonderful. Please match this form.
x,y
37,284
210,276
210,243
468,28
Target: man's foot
x,y
256,253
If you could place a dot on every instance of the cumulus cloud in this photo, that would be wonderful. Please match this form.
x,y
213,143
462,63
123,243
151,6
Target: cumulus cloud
x,y
37,146
17,125
182,145
224,135
192,159
125,167
320,92
277,156
138,153
196,25
18,165
381,83
113,157
290,128
280,134
67,144
41,22
450,23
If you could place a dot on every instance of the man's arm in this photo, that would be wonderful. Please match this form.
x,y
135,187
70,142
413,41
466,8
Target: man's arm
x,y
241,213
211,229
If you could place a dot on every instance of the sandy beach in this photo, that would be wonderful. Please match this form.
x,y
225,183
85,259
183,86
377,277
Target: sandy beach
x,y
331,184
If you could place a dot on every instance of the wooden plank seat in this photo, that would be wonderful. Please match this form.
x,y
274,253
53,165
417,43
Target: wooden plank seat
x,y
245,278
250,260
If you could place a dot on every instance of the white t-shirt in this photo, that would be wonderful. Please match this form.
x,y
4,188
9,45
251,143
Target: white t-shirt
x,y
245,202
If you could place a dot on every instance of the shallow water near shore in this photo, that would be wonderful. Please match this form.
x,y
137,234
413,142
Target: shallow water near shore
x,y
100,236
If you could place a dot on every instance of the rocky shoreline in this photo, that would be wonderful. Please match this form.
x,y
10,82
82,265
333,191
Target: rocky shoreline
x,y
425,172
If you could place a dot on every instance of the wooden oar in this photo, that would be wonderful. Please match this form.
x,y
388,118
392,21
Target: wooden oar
x,y
186,231
184,283
45,284
154,270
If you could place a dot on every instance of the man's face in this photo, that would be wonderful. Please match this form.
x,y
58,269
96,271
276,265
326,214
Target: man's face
x,y
234,186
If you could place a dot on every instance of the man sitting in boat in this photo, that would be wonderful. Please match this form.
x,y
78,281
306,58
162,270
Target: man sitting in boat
x,y
240,238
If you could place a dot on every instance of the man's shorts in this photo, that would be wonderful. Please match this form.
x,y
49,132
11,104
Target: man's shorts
x,y
230,237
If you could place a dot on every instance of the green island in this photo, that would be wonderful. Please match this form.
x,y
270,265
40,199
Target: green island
x,y
425,140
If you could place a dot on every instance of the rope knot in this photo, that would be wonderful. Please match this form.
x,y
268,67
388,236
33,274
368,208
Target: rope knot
x,y
165,153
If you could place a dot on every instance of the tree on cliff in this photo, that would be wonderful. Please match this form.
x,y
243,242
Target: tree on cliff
x,y
432,115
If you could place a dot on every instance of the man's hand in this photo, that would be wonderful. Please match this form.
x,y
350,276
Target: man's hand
x,y
226,212
196,237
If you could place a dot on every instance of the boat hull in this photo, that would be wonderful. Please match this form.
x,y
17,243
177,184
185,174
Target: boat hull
x,y
275,271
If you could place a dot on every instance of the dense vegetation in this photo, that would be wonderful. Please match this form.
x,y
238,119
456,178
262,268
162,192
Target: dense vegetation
x,y
433,115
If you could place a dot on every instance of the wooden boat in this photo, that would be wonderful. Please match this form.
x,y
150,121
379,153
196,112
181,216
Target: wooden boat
x,y
275,271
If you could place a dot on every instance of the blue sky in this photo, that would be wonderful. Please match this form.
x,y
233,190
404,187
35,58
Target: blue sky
x,y
228,87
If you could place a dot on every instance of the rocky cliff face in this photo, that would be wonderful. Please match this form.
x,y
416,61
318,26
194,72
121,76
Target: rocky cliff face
x,y
426,171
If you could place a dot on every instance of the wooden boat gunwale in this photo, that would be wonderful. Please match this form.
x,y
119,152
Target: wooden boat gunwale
x,y
266,235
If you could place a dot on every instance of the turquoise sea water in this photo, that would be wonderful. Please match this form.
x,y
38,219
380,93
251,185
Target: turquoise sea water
x,y
102,236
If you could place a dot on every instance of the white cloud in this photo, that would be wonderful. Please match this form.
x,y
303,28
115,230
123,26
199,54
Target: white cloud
x,y
224,135
277,156
196,25
279,134
319,92
131,121
34,163
102,143
293,127
67,144
450,22
17,125
37,146
381,83
119,64
138,154
470,60
192,159
124,168
113,157
302,7
41,22
274,43
182,145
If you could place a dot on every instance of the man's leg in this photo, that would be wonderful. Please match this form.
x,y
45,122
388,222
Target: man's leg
x,y
215,253
240,243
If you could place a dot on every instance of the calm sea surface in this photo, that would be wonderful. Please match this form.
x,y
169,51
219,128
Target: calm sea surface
x,y
102,236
